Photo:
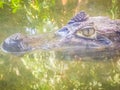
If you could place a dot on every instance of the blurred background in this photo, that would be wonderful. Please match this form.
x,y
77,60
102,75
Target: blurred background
x,y
48,70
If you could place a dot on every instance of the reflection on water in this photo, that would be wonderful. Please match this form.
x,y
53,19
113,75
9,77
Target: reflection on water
x,y
50,70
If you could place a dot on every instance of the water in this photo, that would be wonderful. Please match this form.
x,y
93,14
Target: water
x,y
48,70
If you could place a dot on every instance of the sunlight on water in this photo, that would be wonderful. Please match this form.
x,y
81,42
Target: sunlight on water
x,y
61,69
72,74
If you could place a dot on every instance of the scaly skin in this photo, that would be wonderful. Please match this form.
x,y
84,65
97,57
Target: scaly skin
x,y
81,32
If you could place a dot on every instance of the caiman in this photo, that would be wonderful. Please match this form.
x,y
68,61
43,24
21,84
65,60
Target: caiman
x,y
81,35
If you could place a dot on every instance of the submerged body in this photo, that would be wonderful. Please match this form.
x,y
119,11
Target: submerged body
x,y
81,34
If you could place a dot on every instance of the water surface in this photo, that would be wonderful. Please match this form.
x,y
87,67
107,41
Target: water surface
x,y
48,70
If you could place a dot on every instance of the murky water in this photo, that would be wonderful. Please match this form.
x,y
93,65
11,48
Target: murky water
x,y
51,70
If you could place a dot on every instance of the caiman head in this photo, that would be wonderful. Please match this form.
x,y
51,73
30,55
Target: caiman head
x,y
81,32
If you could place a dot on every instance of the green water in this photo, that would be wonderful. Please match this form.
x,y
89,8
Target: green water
x,y
48,70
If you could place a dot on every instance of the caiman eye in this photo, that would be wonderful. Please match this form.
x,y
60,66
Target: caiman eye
x,y
86,32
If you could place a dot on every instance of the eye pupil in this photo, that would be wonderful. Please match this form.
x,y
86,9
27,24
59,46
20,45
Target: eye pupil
x,y
86,32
